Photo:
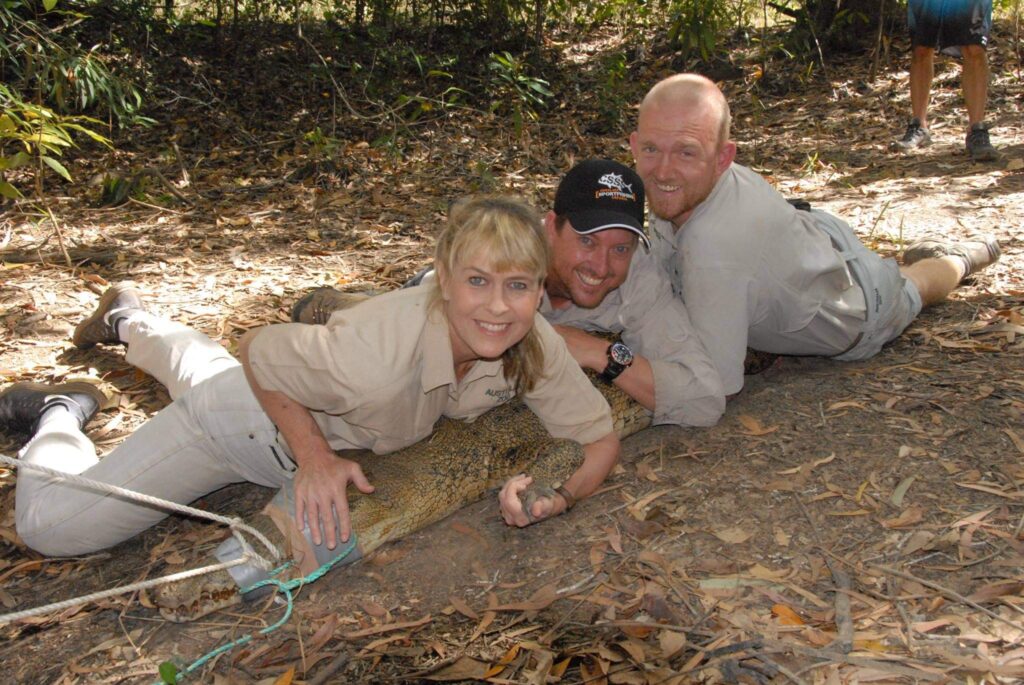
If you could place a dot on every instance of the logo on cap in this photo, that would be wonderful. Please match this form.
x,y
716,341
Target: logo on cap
x,y
616,188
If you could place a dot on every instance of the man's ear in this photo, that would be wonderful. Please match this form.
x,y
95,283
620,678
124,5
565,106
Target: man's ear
x,y
633,141
726,156
550,225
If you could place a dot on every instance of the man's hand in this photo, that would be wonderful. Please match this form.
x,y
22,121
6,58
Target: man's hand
x,y
512,506
320,490
589,351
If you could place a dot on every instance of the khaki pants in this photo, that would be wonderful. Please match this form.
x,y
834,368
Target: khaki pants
x,y
214,433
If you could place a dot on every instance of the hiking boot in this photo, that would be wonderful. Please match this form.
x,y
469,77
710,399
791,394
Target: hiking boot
x,y
976,254
979,147
317,305
101,325
21,404
915,136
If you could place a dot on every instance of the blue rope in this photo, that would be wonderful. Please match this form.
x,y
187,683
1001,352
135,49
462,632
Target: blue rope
x,y
284,586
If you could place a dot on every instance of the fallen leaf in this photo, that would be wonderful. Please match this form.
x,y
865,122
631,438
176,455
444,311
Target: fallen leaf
x,y
787,616
901,490
463,608
907,517
671,643
754,427
1017,440
465,668
286,677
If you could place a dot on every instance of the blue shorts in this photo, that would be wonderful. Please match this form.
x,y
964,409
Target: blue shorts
x,y
945,24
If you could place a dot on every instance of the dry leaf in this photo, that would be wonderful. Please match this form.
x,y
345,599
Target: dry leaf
x,y
463,608
465,668
754,427
901,490
907,517
787,616
671,643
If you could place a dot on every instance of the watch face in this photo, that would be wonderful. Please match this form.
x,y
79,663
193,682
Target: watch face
x,y
621,354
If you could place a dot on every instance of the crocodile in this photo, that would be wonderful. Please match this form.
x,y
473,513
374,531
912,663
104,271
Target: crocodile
x,y
424,483
416,486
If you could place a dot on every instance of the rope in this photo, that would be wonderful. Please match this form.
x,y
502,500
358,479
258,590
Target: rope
x,y
249,555
134,587
237,527
284,586
234,523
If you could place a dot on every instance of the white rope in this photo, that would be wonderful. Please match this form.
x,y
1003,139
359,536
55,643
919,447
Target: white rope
x,y
124,589
237,526
234,523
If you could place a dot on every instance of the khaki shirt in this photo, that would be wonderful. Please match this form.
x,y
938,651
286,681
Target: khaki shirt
x,y
754,271
380,374
654,323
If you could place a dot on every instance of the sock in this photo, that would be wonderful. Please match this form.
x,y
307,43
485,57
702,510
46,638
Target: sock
x,y
119,318
967,265
57,414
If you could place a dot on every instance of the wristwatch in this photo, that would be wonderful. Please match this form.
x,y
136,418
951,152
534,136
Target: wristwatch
x,y
620,358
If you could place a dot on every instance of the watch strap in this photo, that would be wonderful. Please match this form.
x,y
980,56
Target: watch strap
x,y
570,501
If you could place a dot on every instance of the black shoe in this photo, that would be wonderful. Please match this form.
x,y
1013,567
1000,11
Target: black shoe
x,y
915,136
979,147
317,305
101,325
977,254
21,404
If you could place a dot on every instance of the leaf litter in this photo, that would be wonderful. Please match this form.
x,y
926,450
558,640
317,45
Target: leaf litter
x,y
844,523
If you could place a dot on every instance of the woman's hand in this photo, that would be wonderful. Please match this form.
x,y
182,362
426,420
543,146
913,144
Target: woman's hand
x,y
513,509
321,485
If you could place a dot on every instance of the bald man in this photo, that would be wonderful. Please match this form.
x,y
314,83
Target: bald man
x,y
753,269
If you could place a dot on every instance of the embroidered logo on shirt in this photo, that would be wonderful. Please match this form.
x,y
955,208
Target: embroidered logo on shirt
x,y
501,396
615,188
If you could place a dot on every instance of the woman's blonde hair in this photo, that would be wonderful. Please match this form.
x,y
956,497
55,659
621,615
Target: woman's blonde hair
x,y
511,235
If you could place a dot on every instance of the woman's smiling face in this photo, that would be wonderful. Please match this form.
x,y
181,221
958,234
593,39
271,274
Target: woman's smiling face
x,y
488,310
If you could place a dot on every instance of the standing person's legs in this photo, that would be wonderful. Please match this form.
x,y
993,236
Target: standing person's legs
x,y
971,27
975,82
922,72
924,28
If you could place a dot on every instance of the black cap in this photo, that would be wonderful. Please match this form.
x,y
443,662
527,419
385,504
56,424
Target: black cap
x,y
599,194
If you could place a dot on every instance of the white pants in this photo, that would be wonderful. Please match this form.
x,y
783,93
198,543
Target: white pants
x,y
213,434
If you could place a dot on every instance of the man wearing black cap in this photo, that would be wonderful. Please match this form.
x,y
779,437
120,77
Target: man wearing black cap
x,y
599,282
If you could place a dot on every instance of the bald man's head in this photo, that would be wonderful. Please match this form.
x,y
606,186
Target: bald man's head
x,y
690,92
681,145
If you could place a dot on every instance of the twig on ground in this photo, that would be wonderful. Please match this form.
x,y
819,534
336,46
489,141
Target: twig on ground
x,y
330,669
948,594
844,621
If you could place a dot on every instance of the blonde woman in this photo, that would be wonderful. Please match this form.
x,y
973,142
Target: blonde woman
x,y
377,377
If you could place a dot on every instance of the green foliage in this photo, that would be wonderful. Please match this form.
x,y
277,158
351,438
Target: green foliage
x,y
516,89
696,26
168,673
611,89
43,62
30,132
320,146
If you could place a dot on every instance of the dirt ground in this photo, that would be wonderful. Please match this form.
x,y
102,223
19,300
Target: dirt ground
x,y
843,523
